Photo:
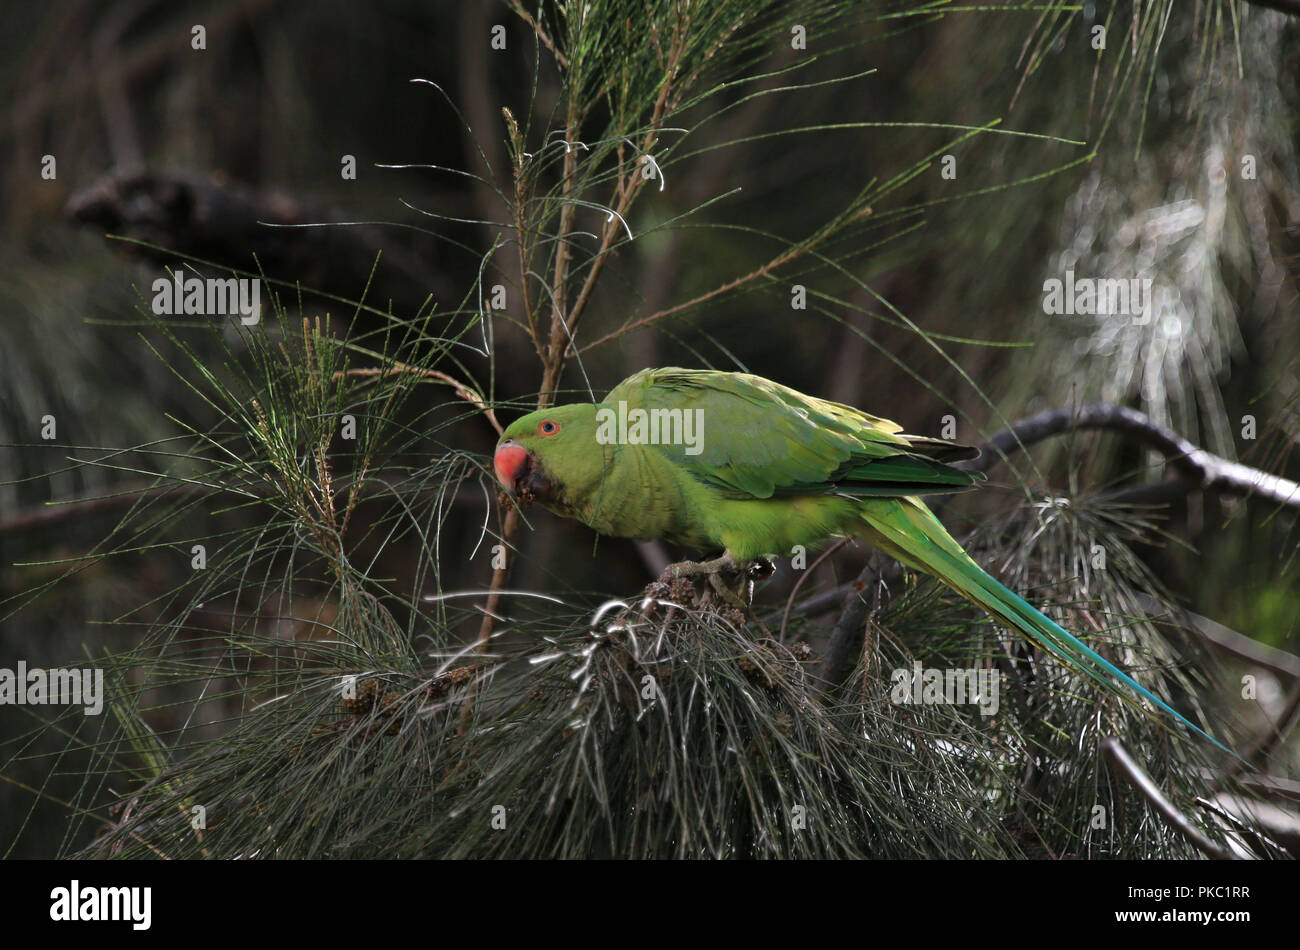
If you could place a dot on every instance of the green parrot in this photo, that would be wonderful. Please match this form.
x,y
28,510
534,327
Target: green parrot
x,y
714,461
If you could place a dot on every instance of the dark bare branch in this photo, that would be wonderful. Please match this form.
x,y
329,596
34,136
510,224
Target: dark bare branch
x,y
1203,469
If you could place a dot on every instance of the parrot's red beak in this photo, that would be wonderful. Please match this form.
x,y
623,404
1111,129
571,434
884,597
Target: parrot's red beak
x,y
520,472
511,464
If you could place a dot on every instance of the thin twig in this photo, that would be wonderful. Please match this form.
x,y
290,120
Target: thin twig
x,y
785,257
463,391
628,189
541,34
560,330
521,236
500,575
794,591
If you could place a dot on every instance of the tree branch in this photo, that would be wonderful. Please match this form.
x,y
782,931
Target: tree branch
x,y
1201,468
210,218
849,632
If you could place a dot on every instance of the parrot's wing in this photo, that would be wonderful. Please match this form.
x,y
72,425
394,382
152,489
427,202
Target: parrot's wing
x,y
759,439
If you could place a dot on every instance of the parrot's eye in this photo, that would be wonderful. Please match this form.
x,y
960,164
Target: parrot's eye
x,y
548,427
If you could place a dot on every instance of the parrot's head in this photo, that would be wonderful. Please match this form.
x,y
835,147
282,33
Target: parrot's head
x,y
551,455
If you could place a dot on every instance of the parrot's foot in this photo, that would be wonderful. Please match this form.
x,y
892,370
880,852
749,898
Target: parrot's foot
x,y
749,572
696,568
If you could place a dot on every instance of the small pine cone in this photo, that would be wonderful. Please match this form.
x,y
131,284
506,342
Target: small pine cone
x,y
439,685
801,651
364,699
656,591
733,616
682,591
390,703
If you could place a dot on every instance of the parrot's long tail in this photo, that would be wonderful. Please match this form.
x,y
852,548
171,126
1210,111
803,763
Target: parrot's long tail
x,y
907,530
